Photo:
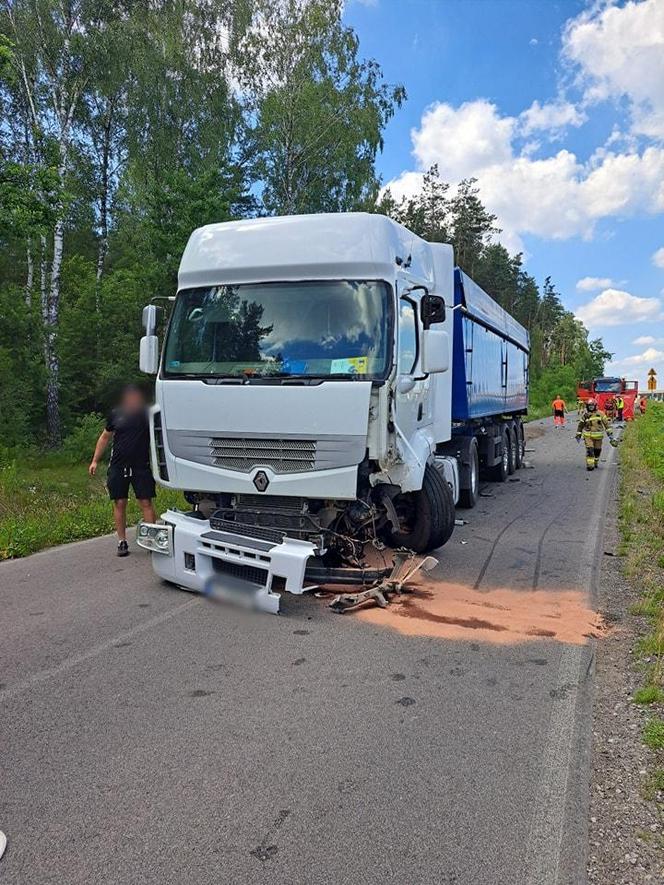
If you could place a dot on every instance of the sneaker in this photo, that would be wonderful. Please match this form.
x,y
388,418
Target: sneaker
x,y
123,548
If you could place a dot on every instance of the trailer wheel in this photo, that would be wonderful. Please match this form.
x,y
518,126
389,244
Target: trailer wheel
x,y
520,444
501,471
514,444
469,496
427,516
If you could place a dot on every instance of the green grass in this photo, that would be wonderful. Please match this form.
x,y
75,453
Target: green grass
x,y
642,531
654,784
649,694
48,500
653,734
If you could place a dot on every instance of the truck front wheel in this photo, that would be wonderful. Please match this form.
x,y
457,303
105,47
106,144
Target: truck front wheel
x,y
426,517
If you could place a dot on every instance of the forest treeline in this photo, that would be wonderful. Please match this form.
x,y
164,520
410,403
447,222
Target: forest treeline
x,y
127,124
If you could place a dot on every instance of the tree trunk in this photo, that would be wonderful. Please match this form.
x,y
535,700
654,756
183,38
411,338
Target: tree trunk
x,y
53,423
30,275
102,249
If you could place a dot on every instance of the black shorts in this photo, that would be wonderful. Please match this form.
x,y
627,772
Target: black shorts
x,y
119,478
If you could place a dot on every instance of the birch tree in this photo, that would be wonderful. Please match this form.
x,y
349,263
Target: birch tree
x,y
52,50
317,108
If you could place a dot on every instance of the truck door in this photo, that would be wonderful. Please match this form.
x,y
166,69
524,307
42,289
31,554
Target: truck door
x,y
409,405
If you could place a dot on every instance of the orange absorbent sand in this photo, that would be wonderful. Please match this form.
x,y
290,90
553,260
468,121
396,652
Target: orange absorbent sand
x,y
501,616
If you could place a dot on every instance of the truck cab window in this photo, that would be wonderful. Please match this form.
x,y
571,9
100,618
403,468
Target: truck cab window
x,y
319,329
407,337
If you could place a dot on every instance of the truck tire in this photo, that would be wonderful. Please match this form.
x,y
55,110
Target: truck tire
x,y
428,514
511,431
501,471
470,477
520,443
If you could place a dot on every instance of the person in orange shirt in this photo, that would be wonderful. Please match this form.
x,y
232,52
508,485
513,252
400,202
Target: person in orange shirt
x,y
559,409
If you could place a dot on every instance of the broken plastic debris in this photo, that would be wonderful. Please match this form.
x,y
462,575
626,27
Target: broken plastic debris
x,y
3,843
460,522
464,541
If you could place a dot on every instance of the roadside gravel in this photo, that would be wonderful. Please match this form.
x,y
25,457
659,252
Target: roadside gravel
x,y
626,829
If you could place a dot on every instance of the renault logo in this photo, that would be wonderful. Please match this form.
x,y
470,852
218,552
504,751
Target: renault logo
x,y
261,481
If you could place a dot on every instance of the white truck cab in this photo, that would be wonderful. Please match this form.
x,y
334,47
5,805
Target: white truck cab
x,y
303,392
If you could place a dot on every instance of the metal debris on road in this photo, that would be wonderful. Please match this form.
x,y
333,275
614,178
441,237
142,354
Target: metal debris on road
x,y
406,565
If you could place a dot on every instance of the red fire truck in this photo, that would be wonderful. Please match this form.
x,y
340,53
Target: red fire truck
x,y
605,390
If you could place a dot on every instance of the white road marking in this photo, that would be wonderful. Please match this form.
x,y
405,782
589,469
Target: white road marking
x,y
80,658
546,832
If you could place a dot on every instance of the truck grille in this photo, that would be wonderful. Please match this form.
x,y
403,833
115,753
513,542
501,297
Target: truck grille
x,y
245,572
249,531
282,455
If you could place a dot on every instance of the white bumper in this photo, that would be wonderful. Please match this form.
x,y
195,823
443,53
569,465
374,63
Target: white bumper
x,y
222,563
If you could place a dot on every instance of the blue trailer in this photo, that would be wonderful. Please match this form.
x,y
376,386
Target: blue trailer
x,y
489,388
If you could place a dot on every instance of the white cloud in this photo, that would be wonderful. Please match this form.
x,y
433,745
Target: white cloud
x,y
533,41
649,355
642,340
553,117
591,284
555,197
619,51
658,258
464,139
613,307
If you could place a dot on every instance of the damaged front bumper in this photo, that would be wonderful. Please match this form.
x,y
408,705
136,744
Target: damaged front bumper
x,y
248,570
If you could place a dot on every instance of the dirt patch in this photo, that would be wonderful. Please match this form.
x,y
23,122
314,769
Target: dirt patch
x,y
534,431
449,611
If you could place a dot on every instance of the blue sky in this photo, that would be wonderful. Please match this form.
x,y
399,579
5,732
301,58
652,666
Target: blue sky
x,y
558,109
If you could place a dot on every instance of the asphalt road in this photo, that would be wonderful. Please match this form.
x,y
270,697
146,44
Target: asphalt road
x,y
150,736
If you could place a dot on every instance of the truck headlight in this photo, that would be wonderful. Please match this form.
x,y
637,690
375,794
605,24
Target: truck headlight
x,y
157,538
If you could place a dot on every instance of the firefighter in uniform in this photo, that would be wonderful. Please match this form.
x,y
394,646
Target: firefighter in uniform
x,y
592,427
620,407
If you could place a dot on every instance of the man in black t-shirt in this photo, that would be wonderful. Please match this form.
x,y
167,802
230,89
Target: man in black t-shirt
x,y
129,428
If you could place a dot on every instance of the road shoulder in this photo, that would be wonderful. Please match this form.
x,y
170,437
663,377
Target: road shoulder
x,y
625,831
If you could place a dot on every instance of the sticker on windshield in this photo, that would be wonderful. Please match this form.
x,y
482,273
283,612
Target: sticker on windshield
x,y
354,365
294,367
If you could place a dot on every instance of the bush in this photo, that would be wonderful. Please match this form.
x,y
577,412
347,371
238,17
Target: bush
x,y
79,445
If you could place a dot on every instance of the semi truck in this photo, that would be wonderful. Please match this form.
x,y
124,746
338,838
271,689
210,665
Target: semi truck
x,y
329,386
605,390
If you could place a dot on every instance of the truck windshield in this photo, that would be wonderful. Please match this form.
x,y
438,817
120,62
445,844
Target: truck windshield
x,y
315,329
608,385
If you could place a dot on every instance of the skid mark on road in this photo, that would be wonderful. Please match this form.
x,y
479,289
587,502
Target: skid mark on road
x,y
536,503
449,611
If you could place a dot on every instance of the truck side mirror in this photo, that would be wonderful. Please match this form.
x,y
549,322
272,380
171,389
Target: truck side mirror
x,y
150,317
432,310
435,351
149,354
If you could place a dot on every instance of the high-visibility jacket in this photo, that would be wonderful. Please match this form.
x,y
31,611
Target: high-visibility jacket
x,y
593,425
558,405
620,402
